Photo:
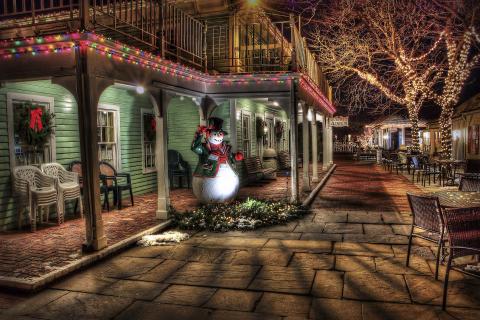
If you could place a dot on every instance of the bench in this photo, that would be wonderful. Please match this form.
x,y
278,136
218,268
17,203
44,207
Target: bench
x,y
284,160
254,169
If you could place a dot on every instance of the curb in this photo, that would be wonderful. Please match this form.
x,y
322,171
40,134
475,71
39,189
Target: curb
x,y
35,284
307,202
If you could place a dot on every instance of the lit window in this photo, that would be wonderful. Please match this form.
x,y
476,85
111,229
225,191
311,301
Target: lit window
x,y
246,133
107,133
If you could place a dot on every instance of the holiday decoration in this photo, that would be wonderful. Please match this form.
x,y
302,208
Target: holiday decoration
x,y
35,125
214,179
246,215
150,127
279,129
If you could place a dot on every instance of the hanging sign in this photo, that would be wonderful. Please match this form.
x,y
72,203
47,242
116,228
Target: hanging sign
x,y
339,122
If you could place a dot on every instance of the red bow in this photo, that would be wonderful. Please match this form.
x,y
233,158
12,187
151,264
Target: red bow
x,y
153,124
36,120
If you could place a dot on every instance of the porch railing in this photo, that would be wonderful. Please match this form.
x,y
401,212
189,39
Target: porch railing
x,y
152,25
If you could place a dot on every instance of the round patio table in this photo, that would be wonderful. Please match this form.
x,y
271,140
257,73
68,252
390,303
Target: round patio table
x,y
457,199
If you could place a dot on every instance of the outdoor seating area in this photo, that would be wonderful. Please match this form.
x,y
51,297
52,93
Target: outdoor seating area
x,y
447,210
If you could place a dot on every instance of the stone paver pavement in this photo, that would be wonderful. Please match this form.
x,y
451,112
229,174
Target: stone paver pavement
x,y
345,260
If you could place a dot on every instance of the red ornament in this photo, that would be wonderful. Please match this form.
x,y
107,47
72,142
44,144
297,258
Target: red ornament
x,y
239,156
36,120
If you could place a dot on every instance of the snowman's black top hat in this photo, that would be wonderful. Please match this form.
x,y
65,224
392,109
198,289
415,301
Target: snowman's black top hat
x,y
215,124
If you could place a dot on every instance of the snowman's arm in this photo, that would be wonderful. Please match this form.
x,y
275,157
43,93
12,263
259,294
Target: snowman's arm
x,y
197,146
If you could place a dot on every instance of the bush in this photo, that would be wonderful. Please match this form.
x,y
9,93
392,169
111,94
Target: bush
x,y
246,215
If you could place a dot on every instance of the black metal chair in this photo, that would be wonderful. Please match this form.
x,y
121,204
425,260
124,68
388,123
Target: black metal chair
x,y
177,167
417,168
463,233
427,216
116,182
472,166
76,166
469,183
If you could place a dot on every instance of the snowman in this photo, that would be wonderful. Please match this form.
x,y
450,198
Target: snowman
x,y
214,180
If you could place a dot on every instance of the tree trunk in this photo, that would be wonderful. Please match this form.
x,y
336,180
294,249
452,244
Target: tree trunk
x,y
446,131
413,117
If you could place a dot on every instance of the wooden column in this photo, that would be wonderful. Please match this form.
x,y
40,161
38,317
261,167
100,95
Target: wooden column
x,y
88,89
233,124
330,142
306,149
314,147
160,101
325,160
293,142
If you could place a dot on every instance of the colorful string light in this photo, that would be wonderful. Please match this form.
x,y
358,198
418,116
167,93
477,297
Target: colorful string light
x,y
66,43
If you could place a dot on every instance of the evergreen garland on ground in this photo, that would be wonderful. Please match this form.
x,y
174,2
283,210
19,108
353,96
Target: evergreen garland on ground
x,y
247,215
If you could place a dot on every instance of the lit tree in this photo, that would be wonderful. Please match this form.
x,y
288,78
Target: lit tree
x,y
459,20
387,45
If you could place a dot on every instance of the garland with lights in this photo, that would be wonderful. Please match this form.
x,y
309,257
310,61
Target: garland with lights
x,y
247,215
35,125
67,43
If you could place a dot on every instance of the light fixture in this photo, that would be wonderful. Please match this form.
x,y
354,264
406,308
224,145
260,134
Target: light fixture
x,y
181,98
140,89
275,103
265,129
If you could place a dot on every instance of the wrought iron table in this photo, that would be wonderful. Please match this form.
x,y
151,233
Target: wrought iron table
x,y
457,199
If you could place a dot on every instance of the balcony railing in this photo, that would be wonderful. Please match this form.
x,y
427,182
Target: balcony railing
x,y
152,25
247,41
251,42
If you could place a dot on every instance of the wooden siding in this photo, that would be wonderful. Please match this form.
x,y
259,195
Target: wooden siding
x,y
67,136
183,118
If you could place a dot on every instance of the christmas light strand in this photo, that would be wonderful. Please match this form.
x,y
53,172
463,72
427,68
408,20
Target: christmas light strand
x,y
117,51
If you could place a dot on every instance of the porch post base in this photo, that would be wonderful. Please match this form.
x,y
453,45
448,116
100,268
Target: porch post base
x,y
162,209
95,245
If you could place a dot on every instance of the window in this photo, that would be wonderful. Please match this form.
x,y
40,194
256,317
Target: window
x,y
149,129
270,137
107,134
246,133
21,153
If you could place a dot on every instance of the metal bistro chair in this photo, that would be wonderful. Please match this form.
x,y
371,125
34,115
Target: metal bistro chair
x,y
177,167
469,184
417,168
34,190
116,182
463,233
68,187
427,216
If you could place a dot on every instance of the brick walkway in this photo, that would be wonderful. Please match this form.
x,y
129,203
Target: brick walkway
x,y
345,260
26,255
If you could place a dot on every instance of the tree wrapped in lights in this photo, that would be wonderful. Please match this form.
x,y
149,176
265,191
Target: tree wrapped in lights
x,y
460,46
385,48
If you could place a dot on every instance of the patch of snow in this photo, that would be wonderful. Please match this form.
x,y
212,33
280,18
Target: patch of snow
x,y
163,238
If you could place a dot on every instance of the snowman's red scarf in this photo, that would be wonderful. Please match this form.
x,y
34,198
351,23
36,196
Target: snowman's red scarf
x,y
221,150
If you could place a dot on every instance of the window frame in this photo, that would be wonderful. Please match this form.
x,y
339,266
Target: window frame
x,y
116,110
247,114
145,170
11,97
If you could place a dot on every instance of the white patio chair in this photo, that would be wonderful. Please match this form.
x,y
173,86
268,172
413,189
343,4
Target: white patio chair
x,y
34,190
68,187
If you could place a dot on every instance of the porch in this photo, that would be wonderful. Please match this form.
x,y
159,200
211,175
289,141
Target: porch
x,y
30,260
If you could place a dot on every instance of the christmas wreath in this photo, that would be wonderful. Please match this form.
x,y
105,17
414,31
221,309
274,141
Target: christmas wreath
x,y
35,125
150,127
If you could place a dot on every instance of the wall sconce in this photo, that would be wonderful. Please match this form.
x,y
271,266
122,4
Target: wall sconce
x,y
140,89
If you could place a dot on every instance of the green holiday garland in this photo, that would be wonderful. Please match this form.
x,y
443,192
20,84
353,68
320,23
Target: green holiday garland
x,y
35,125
